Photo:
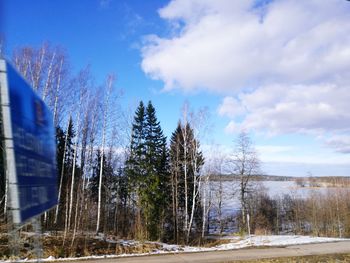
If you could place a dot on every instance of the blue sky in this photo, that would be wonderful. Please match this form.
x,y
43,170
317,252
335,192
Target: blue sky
x,y
266,68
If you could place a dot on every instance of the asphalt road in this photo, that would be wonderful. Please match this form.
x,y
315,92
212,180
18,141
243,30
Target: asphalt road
x,y
241,254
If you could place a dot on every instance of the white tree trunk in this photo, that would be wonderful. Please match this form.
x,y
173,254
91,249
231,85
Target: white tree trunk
x,y
62,173
6,195
185,173
48,79
196,189
110,80
206,202
58,87
73,172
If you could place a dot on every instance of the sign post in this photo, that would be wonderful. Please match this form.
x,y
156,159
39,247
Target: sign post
x,y
30,148
29,156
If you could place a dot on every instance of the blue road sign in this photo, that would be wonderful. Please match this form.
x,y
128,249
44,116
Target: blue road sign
x,y
30,147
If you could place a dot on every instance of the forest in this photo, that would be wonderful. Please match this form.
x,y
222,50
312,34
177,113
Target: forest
x,y
118,174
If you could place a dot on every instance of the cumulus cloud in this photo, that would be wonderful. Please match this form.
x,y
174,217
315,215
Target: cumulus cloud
x,y
282,65
225,46
312,109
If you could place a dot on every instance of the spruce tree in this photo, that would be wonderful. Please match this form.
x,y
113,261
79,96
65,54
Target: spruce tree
x,y
134,163
135,167
147,171
157,174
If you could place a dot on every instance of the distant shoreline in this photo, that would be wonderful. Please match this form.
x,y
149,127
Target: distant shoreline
x,y
324,179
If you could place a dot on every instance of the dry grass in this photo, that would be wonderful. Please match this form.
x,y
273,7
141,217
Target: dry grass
x,y
82,246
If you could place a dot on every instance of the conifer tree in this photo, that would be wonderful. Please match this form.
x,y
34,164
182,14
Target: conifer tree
x,y
157,173
134,169
134,165
147,170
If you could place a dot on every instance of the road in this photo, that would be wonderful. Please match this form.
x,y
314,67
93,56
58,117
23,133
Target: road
x,y
241,254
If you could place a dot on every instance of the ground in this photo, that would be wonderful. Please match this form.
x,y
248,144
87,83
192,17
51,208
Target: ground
x,y
87,246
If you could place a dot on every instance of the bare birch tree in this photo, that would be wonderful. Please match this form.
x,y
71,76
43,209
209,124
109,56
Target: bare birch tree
x,y
62,173
246,165
200,125
109,86
185,162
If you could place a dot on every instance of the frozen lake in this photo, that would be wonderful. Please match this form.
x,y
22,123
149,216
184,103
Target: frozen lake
x,y
231,204
230,201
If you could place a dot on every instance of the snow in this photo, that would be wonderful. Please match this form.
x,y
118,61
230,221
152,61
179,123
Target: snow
x,y
235,242
258,241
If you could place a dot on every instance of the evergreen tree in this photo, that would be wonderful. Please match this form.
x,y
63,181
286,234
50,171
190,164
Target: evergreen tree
x,y
60,142
64,155
123,195
134,163
157,174
147,170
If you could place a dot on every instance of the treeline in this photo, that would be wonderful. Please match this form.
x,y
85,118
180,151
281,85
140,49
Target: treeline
x,y
258,177
326,181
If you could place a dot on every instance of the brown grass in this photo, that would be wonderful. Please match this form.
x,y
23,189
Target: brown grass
x,y
82,246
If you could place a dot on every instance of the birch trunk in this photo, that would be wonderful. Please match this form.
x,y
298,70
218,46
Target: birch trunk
x,y
185,174
196,182
73,172
58,87
48,79
105,115
62,173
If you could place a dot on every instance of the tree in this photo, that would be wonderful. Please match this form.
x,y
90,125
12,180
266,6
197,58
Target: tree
x,y
177,182
109,86
46,69
64,142
135,169
147,168
186,161
246,164
94,186
157,173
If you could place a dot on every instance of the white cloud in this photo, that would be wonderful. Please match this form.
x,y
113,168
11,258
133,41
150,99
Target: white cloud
x,y
282,65
311,109
230,107
224,46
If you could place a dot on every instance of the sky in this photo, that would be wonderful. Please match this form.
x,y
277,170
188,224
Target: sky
x,y
276,69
